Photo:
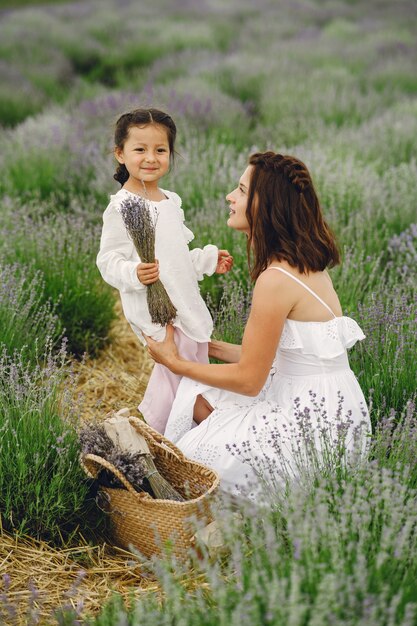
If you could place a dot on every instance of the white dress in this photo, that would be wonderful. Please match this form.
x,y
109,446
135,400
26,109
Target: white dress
x,y
251,441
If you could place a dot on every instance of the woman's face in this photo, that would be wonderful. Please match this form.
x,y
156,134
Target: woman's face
x,y
238,201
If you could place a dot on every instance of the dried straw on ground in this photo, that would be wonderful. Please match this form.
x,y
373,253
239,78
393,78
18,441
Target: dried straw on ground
x,y
117,379
57,577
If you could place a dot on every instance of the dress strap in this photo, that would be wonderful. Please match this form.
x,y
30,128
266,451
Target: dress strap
x,y
300,282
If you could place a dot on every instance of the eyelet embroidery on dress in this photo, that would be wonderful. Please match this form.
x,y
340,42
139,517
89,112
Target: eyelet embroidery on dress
x,y
340,332
207,454
179,427
269,382
332,330
287,340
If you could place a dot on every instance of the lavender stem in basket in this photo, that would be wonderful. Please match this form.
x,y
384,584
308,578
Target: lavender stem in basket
x,y
95,440
137,217
126,438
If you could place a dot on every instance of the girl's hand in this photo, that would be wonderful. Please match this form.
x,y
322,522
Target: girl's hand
x,y
164,352
148,273
224,262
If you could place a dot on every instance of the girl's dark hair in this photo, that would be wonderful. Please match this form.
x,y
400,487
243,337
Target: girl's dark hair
x,y
285,218
141,117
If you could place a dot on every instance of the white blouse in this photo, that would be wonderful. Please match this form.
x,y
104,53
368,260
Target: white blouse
x,y
179,268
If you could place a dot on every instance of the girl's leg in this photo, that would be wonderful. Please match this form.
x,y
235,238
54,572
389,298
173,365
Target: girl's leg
x,y
162,386
159,396
202,409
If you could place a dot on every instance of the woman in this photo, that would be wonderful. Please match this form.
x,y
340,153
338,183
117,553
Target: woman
x,y
251,416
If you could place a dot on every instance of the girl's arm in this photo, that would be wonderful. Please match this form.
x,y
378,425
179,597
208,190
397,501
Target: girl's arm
x,y
210,259
204,260
270,308
114,257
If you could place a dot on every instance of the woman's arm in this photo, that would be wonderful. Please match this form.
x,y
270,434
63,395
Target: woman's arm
x,y
270,307
224,351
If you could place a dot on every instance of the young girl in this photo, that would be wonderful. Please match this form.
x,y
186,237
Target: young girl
x,y
144,149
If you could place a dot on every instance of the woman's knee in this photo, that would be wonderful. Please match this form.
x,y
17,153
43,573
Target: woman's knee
x,y
202,409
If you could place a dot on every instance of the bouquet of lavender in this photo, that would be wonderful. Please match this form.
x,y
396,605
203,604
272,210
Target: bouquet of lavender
x,y
136,213
95,440
118,442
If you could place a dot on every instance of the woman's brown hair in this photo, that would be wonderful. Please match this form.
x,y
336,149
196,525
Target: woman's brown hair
x,y
142,117
285,218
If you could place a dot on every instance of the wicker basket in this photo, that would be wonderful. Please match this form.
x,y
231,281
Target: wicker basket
x,y
150,525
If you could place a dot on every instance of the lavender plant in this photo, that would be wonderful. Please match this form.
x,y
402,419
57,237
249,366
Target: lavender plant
x,y
13,613
230,314
57,145
78,43
386,364
43,491
402,250
62,250
18,97
27,322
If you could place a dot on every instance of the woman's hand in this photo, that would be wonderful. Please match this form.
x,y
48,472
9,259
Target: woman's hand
x,y
224,262
148,273
164,352
224,351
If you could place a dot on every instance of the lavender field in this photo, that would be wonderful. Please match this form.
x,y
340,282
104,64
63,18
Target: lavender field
x,y
335,84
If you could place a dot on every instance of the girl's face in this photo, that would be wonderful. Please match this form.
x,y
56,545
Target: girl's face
x,y
238,201
145,153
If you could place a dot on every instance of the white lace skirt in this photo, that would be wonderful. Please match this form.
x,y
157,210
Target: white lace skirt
x,y
266,440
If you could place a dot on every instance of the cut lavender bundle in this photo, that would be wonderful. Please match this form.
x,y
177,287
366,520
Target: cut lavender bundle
x,y
94,440
137,217
127,439
133,466
117,442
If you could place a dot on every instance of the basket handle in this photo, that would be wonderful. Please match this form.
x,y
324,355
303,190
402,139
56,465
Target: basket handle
x,y
151,434
90,463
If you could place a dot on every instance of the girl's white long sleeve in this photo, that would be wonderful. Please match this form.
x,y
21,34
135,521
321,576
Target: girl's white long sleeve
x,y
204,260
117,259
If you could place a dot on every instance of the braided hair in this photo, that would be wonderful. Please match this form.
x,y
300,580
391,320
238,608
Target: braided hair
x,y
141,117
285,218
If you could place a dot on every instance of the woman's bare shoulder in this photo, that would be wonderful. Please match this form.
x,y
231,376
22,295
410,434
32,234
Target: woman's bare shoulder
x,y
273,289
271,278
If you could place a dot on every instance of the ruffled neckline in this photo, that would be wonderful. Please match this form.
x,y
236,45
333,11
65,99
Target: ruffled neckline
x,y
326,339
132,193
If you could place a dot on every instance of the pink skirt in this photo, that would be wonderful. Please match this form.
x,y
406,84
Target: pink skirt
x,y
163,384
